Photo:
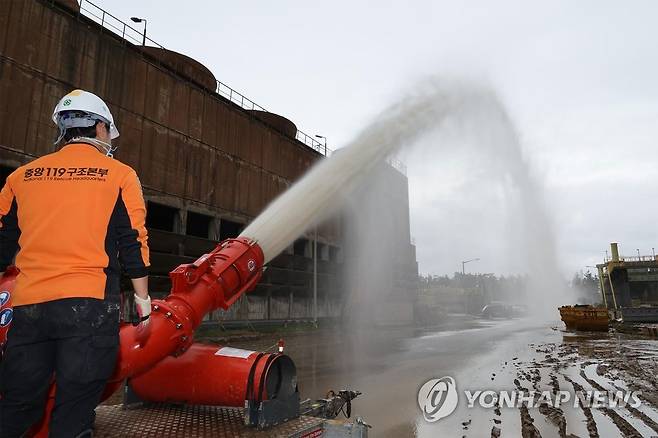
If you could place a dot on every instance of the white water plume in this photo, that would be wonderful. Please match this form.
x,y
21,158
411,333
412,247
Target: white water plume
x,y
475,108
512,218
321,192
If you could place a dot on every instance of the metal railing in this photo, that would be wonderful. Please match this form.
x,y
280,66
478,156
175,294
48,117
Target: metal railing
x,y
237,98
114,24
136,37
130,34
642,258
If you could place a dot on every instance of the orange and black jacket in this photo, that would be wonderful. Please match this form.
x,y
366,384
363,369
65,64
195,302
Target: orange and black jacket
x,y
72,219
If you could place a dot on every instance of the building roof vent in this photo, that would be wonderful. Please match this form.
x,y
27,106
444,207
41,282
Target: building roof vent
x,y
184,65
71,4
280,123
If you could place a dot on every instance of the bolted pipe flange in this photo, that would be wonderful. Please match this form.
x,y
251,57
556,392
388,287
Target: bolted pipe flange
x,y
171,314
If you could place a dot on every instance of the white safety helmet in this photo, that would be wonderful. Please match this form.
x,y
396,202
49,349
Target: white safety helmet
x,y
80,109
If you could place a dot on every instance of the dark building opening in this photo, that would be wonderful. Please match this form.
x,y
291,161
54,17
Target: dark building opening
x,y
198,225
161,217
229,229
299,247
333,253
5,171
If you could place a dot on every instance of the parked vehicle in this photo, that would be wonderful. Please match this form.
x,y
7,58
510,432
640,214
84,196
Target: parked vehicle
x,y
497,310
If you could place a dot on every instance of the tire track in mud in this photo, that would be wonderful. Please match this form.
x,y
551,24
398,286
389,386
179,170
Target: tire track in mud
x,y
554,415
616,418
495,430
613,363
528,428
591,423
579,365
552,362
624,426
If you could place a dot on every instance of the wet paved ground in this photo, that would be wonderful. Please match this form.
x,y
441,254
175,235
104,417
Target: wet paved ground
x,y
390,365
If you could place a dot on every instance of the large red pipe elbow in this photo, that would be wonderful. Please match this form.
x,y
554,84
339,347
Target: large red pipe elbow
x,y
215,280
212,375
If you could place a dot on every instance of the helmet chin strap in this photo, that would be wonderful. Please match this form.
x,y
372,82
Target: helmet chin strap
x,y
108,148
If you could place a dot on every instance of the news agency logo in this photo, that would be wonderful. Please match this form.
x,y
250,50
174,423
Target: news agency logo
x,y
535,399
438,398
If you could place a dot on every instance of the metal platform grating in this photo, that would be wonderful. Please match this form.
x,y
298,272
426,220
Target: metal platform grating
x,y
166,420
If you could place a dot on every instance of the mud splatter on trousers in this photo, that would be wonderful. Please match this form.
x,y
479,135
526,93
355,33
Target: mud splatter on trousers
x,y
74,341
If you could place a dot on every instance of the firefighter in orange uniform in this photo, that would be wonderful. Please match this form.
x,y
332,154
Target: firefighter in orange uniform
x,y
72,220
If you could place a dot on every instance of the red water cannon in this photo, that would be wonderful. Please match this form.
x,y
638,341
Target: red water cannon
x,y
168,366
216,280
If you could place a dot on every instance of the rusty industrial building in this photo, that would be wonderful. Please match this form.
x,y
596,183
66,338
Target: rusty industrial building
x,y
209,159
629,286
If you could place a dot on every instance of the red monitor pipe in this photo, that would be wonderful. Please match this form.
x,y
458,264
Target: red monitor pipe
x,y
213,375
215,280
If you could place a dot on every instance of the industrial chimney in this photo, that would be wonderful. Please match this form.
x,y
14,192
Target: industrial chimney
x,y
614,251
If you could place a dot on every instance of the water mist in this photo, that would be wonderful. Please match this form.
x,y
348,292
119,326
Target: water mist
x,y
323,191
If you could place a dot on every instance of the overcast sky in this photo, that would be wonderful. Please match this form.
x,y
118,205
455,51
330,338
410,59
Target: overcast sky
x,y
578,78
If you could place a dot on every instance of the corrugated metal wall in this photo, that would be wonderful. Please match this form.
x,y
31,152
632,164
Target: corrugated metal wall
x,y
190,147
182,140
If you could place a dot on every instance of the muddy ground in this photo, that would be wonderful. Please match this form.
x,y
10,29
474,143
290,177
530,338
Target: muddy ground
x,y
589,362
390,364
486,355
574,363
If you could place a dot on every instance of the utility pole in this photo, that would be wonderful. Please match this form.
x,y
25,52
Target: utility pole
x,y
140,20
315,277
315,255
467,261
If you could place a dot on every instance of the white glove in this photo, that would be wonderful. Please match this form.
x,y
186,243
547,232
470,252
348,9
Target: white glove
x,y
143,308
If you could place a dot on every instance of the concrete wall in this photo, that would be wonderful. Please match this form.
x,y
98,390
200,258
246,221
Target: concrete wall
x,y
381,269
